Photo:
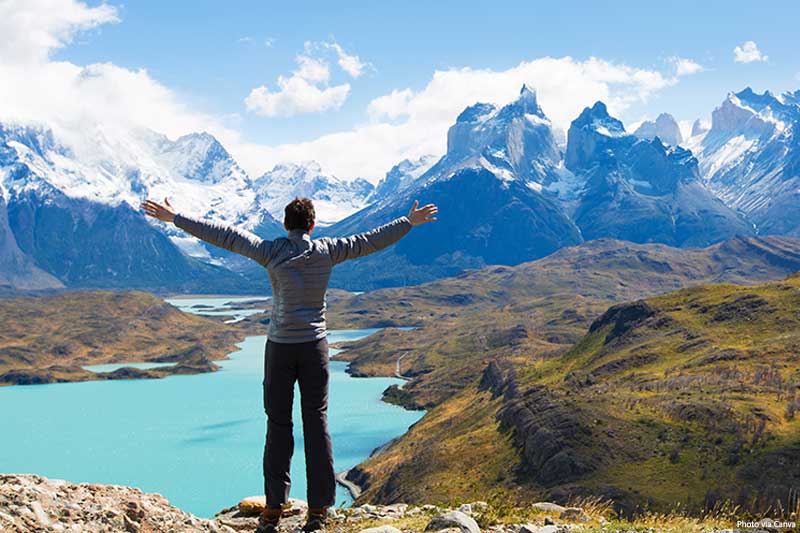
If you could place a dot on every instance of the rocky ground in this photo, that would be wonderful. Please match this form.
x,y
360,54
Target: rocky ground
x,y
31,503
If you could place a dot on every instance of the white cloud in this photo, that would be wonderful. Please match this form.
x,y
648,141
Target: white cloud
x,y
349,63
748,52
312,69
685,67
74,100
404,123
392,105
32,29
306,90
296,95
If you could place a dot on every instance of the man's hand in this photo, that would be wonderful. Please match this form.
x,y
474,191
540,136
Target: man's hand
x,y
161,212
421,216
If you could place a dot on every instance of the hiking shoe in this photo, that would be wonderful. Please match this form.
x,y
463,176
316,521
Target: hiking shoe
x,y
268,521
315,520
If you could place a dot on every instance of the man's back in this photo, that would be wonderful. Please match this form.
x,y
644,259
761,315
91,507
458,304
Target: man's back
x,y
299,268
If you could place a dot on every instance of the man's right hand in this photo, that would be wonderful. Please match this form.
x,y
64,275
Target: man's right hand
x,y
423,215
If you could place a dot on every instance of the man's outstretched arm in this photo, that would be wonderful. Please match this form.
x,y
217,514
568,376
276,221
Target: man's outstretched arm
x,y
343,249
228,237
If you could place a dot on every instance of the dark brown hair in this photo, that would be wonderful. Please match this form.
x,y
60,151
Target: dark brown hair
x,y
299,214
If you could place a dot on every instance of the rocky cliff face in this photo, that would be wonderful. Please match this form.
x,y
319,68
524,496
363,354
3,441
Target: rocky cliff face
x,y
17,269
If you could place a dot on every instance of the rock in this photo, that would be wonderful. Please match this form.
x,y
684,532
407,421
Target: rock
x,y
548,529
41,516
381,529
465,508
453,519
548,521
574,514
254,505
548,507
528,528
35,503
479,507
396,508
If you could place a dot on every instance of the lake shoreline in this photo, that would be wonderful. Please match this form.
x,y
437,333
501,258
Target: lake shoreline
x,y
357,404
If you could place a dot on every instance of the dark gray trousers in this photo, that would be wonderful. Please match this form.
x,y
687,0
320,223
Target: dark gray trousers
x,y
306,362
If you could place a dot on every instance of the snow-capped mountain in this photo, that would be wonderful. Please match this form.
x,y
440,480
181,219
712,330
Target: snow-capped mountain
x,y
641,190
74,210
507,190
751,158
401,176
665,127
507,194
334,199
489,187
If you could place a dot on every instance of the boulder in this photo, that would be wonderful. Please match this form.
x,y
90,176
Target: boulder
x,y
548,507
254,505
453,519
574,514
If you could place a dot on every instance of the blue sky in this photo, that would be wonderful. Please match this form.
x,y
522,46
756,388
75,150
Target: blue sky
x,y
212,55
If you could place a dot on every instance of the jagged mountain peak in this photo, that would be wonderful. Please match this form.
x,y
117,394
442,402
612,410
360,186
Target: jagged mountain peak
x,y
402,176
515,141
598,118
333,197
748,113
476,112
199,156
665,127
527,103
591,135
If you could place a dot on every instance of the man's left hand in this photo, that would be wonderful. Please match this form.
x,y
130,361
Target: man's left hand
x,y
163,211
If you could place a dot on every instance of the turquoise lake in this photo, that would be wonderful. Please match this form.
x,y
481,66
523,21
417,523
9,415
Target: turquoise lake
x,y
198,439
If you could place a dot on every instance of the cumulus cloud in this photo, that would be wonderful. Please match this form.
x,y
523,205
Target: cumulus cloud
x,y
392,105
78,101
307,89
32,29
349,63
295,95
685,67
748,52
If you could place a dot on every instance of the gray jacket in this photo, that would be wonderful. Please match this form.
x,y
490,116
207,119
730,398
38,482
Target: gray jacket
x,y
299,268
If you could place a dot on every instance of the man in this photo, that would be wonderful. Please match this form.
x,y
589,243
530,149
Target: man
x,y
297,349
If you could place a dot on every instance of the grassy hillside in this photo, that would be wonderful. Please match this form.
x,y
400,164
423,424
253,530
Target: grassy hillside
x,y
48,338
532,310
647,408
